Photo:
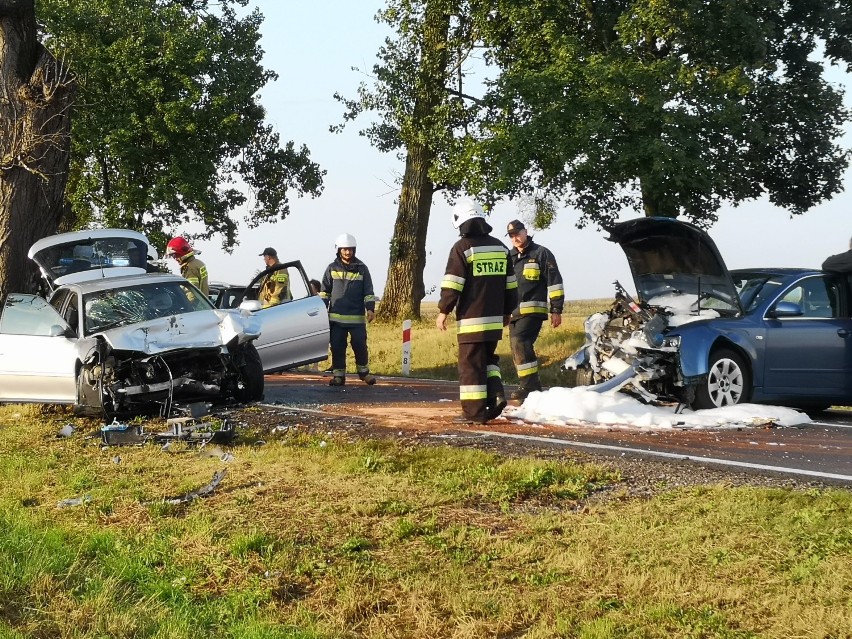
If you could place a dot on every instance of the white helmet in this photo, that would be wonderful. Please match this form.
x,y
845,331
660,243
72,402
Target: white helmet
x,y
345,241
466,210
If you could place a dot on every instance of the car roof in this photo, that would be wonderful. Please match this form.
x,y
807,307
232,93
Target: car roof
x,y
123,281
785,271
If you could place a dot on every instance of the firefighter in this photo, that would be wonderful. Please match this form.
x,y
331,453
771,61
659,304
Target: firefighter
x,y
540,293
274,287
347,290
191,268
481,288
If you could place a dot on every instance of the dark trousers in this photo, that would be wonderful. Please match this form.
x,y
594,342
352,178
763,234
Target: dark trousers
x,y
337,338
479,378
523,333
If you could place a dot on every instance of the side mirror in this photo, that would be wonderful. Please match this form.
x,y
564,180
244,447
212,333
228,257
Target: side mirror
x,y
250,306
786,309
56,331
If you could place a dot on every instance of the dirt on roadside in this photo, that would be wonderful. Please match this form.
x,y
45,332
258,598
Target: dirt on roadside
x,y
426,425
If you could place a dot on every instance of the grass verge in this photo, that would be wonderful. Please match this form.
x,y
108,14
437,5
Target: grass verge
x,y
434,354
321,538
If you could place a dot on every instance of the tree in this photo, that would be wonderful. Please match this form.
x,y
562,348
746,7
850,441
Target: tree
x,y
168,128
670,107
419,115
37,93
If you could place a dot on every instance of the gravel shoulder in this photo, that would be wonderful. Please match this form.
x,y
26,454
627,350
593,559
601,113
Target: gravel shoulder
x,y
641,477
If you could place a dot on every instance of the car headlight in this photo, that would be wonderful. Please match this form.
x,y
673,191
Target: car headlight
x,y
671,341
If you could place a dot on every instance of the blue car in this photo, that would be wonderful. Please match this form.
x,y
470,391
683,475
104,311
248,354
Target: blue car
x,y
708,337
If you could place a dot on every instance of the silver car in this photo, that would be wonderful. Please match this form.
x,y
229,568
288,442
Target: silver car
x,y
111,338
294,332
122,345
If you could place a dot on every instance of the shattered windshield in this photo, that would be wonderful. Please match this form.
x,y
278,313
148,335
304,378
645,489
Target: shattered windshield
x,y
113,308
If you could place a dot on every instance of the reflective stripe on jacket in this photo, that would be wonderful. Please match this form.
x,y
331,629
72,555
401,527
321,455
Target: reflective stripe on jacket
x,y
540,288
347,290
479,286
194,271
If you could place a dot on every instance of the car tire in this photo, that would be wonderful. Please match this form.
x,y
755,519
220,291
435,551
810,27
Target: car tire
x,y
250,381
728,381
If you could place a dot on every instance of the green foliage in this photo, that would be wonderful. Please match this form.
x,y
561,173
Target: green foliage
x,y
410,82
167,128
670,107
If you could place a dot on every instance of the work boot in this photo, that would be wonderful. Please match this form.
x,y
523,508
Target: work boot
x,y
494,411
337,381
367,378
467,421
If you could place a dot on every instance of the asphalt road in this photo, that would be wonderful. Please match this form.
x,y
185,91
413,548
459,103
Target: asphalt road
x,y
821,450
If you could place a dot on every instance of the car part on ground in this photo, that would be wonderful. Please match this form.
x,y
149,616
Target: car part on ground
x,y
184,429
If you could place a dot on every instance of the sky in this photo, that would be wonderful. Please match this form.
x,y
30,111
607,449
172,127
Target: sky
x,y
313,46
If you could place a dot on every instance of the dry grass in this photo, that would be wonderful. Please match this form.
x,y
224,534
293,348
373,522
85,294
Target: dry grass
x,y
324,538
434,354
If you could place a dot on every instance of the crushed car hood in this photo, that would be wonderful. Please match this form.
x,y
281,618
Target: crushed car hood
x,y
669,257
201,329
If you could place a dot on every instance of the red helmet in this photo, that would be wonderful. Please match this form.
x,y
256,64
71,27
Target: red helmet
x,y
178,247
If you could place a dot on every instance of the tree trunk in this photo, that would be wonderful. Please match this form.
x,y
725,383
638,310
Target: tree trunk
x,y
36,93
404,289
656,202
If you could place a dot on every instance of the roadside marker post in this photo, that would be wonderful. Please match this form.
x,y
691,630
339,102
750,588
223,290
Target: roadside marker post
x,y
406,348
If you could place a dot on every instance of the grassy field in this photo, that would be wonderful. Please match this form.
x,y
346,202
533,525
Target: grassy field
x,y
434,354
317,537
325,538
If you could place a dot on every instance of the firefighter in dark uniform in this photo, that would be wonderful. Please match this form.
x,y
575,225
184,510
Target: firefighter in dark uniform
x,y
347,290
481,288
273,287
540,293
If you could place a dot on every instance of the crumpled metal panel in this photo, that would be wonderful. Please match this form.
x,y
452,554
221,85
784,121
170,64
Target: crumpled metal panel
x,y
200,329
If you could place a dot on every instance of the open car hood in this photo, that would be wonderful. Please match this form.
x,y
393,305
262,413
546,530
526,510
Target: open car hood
x,y
668,257
82,256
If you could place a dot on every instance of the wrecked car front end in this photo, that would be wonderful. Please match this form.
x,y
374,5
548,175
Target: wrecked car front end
x,y
654,345
198,356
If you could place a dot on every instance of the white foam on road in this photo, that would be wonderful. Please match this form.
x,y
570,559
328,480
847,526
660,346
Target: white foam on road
x,y
580,406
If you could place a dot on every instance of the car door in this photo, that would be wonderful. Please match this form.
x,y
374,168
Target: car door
x,y
295,331
37,353
810,355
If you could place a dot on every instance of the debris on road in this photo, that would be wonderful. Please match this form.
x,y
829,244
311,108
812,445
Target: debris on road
x,y
204,491
74,501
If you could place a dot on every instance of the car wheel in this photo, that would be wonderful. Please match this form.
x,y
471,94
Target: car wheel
x,y
728,381
250,380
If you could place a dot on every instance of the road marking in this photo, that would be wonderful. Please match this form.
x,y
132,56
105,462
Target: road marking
x,y
680,456
829,424
295,408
